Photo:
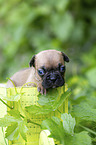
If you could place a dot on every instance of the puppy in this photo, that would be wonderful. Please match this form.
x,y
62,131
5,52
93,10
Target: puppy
x,y
47,70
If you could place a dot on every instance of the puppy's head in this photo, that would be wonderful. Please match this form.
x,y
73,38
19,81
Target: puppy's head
x,y
50,66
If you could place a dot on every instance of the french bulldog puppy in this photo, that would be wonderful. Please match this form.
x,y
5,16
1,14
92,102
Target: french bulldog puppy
x,y
47,70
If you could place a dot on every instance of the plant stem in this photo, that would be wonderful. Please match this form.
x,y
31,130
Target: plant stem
x,y
13,85
89,130
5,104
27,84
22,116
4,136
58,111
30,121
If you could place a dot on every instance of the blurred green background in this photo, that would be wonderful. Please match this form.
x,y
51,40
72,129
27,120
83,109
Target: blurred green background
x,y
28,27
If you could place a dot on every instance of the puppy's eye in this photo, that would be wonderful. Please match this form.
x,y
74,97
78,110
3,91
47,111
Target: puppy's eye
x,y
41,72
62,68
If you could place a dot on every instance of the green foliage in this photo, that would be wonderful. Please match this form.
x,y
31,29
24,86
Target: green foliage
x,y
63,131
68,123
15,125
12,98
83,111
81,138
55,126
83,98
46,104
91,77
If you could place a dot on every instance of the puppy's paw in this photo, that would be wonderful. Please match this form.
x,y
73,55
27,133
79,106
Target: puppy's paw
x,y
41,90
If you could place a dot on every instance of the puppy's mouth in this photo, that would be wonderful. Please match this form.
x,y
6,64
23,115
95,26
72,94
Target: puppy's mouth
x,y
54,87
53,81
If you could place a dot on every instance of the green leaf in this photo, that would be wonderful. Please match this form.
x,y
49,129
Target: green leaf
x,y
15,125
63,131
62,25
68,123
91,75
50,96
62,4
12,132
91,101
60,129
60,100
14,113
84,112
12,98
81,138
55,126
6,120
44,100
36,110
49,103
23,129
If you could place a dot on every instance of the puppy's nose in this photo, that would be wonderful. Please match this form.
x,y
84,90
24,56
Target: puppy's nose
x,y
52,77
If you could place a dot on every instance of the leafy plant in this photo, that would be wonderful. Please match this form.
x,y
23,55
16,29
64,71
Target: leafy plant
x,y
46,104
63,130
83,98
16,123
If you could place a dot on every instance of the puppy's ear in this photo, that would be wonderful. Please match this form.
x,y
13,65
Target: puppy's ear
x,y
65,57
32,61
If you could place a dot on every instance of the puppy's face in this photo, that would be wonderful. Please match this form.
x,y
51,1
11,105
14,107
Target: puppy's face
x,y
50,67
53,76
